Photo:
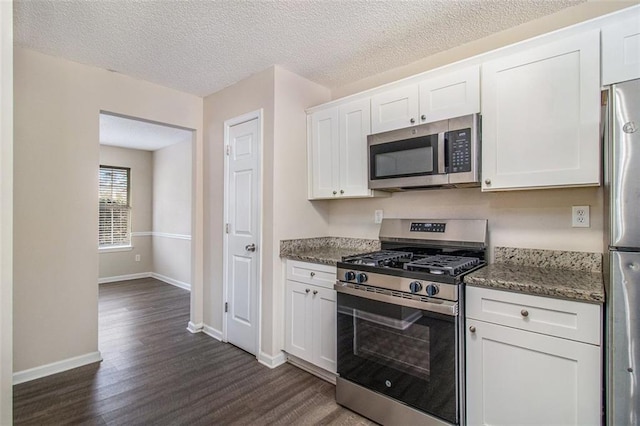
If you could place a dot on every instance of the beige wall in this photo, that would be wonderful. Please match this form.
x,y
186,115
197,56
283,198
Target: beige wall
x,y
294,216
57,106
172,212
564,18
113,264
251,94
283,97
6,210
531,219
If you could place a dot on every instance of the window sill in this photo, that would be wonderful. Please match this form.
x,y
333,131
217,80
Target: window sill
x,y
114,249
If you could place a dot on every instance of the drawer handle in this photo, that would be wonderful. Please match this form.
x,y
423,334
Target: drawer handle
x,y
307,290
315,291
313,274
472,329
524,313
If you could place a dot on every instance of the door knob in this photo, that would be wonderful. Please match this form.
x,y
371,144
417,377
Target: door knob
x,y
250,247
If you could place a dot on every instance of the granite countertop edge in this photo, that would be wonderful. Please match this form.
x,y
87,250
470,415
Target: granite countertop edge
x,y
563,275
325,250
580,286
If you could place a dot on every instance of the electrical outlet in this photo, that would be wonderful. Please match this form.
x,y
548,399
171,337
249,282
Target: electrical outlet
x,y
377,216
580,217
137,258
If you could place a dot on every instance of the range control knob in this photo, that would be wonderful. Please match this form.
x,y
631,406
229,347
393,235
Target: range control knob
x,y
432,290
349,276
415,286
361,278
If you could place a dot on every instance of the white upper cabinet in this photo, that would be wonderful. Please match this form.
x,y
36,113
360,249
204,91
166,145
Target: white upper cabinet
x,y
323,153
394,109
355,125
621,51
541,115
338,151
450,95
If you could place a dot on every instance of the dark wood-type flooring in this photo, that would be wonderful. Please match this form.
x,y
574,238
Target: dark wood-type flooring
x,y
156,373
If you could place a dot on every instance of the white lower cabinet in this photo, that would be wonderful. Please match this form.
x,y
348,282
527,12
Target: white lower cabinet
x,y
516,376
310,314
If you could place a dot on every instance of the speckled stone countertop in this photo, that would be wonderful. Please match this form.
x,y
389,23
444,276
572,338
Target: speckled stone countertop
x,y
326,250
559,274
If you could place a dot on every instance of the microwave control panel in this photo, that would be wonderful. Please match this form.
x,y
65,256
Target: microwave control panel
x,y
459,150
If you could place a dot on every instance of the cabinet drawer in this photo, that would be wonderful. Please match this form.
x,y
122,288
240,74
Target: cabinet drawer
x,y
562,318
311,273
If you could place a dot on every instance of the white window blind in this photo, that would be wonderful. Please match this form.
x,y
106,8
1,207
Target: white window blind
x,y
115,211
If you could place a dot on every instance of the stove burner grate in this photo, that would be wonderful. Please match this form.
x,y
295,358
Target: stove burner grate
x,y
378,258
442,264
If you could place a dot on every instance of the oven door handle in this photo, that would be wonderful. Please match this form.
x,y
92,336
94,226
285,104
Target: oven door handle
x,y
445,307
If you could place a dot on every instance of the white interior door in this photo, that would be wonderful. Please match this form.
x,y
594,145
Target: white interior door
x,y
243,235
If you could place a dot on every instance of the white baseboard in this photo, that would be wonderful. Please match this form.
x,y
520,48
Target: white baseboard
x,y
313,369
183,285
55,367
272,361
210,331
124,277
194,328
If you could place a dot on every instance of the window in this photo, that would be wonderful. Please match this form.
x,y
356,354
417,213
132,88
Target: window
x,y
115,210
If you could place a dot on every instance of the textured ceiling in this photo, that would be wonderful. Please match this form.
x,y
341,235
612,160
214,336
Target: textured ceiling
x,y
137,134
203,46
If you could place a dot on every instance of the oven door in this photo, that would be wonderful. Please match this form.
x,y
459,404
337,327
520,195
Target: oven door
x,y
404,352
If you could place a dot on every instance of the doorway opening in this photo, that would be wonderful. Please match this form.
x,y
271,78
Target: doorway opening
x,y
146,201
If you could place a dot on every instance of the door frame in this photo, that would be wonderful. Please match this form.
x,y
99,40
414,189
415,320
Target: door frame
x,y
225,241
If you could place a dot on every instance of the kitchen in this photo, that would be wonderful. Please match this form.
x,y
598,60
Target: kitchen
x,y
517,219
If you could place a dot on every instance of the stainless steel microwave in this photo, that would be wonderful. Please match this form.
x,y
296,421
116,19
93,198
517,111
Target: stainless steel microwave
x,y
440,154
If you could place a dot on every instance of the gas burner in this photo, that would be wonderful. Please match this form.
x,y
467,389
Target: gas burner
x,y
378,258
442,264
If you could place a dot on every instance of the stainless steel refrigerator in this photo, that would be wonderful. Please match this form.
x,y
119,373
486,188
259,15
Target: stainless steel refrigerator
x,y
622,257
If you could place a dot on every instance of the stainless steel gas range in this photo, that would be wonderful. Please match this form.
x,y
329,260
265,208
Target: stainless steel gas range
x,y
400,321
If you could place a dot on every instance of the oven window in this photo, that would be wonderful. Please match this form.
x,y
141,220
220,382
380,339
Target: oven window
x,y
405,353
412,157
401,343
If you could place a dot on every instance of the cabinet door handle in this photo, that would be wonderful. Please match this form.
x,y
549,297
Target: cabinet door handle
x,y
307,290
342,191
413,120
472,329
313,274
524,313
487,181
423,117
335,192
315,291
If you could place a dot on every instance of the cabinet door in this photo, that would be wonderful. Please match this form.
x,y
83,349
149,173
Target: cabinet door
x,y
355,125
323,154
452,95
298,317
621,51
519,377
541,114
394,109
324,324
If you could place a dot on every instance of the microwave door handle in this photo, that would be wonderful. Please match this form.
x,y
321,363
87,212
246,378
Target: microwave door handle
x,y
441,153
